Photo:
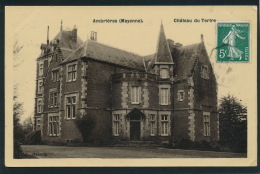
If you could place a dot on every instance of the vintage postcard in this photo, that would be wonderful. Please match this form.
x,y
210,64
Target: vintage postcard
x,y
131,86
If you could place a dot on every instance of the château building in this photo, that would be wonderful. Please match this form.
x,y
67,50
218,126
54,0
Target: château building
x,y
167,96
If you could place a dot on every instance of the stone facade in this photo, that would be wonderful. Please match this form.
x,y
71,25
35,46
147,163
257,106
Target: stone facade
x,y
165,97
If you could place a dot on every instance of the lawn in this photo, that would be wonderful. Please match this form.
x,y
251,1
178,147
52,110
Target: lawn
x,y
45,151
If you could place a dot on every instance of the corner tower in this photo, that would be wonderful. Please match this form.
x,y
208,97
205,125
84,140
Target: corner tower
x,y
164,64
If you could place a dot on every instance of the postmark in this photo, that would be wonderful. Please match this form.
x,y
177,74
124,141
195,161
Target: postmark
x,y
233,41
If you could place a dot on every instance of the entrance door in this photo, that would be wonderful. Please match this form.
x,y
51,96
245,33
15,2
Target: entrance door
x,y
135,130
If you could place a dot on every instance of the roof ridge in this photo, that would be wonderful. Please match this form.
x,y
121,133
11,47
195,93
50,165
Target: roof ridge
x,y
115,48
190,45
80,46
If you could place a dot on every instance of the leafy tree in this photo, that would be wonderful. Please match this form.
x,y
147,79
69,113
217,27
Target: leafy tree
x,y
18,130
233,124
28,125
18,135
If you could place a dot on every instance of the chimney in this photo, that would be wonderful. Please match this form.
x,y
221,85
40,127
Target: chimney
x,y
201,37
93,36
74,34
48,36
61,25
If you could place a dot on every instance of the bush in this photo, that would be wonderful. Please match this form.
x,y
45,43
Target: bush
x,y
85,125
18,153
197,145
33,138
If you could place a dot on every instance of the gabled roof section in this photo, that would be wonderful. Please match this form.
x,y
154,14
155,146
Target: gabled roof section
x,y
66,43
105,53
186,60
65,40
163,53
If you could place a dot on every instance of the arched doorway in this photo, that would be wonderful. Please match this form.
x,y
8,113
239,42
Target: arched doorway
x,y
135,117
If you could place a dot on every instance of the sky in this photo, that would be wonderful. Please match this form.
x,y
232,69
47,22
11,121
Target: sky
x,y
28,26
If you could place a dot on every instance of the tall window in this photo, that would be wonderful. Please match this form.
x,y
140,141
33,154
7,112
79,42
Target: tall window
x,y
180,95
164,96
164,73
164,124
54,127
72,72
116,124
54,99
40,86
55,76
206,123
39,105
71,107
135,94
204,72
41,69
152,124
38,124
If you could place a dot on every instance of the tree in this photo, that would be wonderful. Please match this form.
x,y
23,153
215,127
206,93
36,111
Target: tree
x,y
18,131
233,124
28,125
18,135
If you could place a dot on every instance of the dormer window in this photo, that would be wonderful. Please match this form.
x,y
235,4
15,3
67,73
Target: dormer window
x,y
204,72
164,73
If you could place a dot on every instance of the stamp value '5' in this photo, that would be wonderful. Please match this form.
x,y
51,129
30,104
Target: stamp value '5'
x,y
233,41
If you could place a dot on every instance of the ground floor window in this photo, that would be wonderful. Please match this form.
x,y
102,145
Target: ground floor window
x,y
116,124
164,124
206,123
152,124
54,126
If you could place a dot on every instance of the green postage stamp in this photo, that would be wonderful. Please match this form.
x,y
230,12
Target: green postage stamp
x,y
233,41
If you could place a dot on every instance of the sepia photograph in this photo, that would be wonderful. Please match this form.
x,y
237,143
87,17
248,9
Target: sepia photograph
x,y
131,86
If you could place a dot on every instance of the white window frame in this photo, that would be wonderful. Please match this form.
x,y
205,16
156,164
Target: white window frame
x,y
55,75
164,95
206,124
71,106
116,119
39,106
53,122
180,95
205,72
72,72
164,73
165,124
135,94
38,124
40,86
152,124
53,101
41,68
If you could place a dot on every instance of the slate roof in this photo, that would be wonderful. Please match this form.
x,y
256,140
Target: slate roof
x,y
65,40
105,53
163,53
66,43
184,59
